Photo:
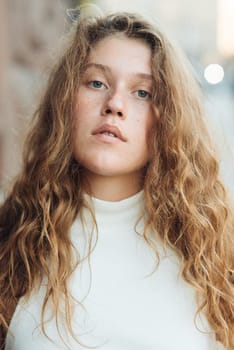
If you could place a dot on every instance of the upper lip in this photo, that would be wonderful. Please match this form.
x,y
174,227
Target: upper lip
x,y
110,128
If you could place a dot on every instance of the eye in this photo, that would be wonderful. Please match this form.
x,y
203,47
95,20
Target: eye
x,y
143,94
96,84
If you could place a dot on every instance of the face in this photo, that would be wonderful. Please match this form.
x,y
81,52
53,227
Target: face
x,y
112,110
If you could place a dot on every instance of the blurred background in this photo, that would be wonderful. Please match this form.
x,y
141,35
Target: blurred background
x,y
31,31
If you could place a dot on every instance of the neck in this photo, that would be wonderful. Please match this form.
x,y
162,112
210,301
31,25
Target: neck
x,y
112,188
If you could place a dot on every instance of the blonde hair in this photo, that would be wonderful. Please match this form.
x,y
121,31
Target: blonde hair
x,y
190,212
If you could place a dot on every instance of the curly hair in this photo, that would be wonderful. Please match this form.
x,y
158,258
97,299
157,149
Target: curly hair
x,y
190,213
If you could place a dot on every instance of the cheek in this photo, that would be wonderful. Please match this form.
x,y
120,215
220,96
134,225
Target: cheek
x,y
78,121
151,118
145,124
144,133
80,106
81,112
82,100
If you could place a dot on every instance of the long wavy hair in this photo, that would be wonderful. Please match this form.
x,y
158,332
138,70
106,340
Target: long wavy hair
x,y
185,201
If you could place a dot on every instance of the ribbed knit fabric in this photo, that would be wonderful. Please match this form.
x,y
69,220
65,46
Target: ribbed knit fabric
x,y
125,305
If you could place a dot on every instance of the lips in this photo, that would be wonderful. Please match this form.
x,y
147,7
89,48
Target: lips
x,y
111,130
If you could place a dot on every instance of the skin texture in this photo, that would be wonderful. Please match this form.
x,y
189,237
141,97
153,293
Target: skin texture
x,y
115,92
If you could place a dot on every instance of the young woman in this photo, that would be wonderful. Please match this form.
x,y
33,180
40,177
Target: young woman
x,y
117,233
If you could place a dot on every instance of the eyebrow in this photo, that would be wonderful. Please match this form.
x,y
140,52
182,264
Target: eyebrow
x,y
107,69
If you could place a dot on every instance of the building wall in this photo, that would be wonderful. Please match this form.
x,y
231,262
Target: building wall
x,y
29,33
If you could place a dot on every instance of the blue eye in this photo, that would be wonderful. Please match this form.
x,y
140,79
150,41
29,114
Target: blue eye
x,y
96,84
143,94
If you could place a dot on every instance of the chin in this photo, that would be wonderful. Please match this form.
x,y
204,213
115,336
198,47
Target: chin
x,y
103,167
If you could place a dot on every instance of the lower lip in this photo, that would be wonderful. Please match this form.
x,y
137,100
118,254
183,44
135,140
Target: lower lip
x,y
107,139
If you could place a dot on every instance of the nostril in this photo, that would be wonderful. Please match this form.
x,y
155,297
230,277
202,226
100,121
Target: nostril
x,y
109,111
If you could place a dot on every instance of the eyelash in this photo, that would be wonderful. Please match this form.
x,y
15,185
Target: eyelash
x,y
146,96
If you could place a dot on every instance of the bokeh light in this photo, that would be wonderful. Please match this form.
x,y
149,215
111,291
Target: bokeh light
x,y
214,73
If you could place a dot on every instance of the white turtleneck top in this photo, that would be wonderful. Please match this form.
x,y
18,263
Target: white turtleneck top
x,y
126,306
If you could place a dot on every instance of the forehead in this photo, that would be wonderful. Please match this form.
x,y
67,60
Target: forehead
x,y
120,52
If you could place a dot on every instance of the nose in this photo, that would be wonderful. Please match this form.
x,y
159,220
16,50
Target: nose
x,y
115,105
